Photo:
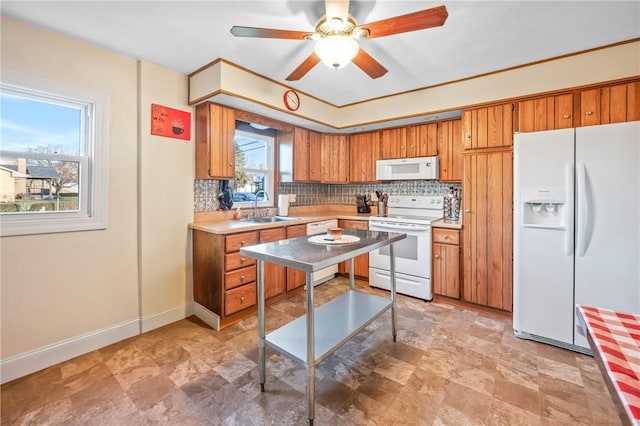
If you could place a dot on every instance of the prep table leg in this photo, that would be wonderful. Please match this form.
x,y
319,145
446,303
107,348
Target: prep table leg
x,y
392,269
311,362
261,334
352,283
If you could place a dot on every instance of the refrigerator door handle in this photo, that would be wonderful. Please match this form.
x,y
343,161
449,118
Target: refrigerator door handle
x,y
584,218
568,235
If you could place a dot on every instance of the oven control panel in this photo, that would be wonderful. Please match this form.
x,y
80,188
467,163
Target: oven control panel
x,y
417,201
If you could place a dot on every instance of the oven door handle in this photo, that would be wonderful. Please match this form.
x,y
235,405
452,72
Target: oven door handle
x,y
380,227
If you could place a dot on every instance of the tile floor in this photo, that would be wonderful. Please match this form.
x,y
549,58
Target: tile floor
x,y
449,366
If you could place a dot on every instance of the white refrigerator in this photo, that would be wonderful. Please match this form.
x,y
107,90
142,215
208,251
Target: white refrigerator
x,y
576,228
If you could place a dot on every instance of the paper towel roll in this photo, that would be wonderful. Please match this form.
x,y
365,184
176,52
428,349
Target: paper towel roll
x,y
283,205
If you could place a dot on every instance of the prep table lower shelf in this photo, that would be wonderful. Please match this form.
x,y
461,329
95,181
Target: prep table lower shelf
x,y
335,323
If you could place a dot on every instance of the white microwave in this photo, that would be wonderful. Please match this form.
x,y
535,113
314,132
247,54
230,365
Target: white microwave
x,y
407,168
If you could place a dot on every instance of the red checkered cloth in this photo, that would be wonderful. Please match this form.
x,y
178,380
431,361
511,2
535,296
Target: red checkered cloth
x,y
616,336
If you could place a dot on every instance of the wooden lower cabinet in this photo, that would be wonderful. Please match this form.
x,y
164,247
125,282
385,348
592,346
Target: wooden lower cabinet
x,y
446,265
224,281
295,277
275,276
488,228
360,263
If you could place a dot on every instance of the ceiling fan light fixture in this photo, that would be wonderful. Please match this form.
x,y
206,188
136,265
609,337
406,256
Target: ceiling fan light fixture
x,y
336,51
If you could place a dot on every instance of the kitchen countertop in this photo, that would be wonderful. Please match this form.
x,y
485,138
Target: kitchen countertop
x,y
442,223
226,226
231,226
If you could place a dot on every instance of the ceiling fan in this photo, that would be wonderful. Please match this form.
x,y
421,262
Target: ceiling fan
x,y
336,34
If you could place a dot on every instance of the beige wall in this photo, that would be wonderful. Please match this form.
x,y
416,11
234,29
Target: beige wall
x,y
61,289
167,171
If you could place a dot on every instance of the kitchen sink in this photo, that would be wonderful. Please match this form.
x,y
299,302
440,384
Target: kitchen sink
x,y
267,219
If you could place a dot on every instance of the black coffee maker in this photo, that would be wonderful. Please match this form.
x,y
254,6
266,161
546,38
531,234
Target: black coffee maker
x,y
362,201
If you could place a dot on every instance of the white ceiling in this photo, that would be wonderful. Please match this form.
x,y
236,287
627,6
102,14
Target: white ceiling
x,y
478,37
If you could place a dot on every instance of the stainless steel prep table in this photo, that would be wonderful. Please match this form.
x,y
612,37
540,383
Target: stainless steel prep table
x,y
339,319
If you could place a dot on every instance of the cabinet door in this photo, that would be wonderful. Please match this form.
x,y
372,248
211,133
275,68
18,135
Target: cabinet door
x,y
215,149
450,151
620,103
590,107
275,276
446,270
315,153
422,140
366,148
488,127
360,263
335,158
394,143
549,113
488,221
300,155
295,277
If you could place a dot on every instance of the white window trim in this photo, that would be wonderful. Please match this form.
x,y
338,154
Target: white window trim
x,y
270,202
94,163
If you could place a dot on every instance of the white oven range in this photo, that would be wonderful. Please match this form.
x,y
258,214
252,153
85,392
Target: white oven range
x,y
411,215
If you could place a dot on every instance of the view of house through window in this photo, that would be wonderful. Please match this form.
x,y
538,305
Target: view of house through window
x,y
41,153
254,168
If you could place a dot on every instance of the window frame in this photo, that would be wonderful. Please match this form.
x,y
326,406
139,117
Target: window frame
x,y
270,171
92,159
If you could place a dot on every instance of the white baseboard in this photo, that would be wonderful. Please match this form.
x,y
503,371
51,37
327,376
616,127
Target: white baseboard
x,y
46,356
151,322
209,318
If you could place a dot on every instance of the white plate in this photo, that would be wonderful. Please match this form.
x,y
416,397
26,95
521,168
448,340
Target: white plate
x,y
322,239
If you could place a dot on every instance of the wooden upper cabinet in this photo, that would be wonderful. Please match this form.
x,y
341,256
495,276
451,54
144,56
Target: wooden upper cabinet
x,y
611,104
306,155
365,147
548,113
215,149
334,158
394,143
315,153
488,127
450,150
300,155
422,140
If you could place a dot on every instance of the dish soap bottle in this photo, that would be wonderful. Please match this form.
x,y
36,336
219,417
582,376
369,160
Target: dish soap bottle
x,y
237,214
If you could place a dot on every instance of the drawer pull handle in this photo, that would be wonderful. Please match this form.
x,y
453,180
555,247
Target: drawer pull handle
x,y
444,170
437,256
242,259
242,242
241,277
446,237
242,299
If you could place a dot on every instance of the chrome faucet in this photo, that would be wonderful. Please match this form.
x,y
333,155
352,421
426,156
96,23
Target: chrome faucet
x,y
255,203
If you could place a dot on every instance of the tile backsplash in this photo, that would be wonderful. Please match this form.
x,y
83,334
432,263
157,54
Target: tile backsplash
x,y
206,191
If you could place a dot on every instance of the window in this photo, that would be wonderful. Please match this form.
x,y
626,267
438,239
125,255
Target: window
x,y
254,169
53,156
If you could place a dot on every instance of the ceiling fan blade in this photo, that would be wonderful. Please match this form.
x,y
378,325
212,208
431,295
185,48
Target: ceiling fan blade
x,y
366,63
428,18
337,9
268,33
304,67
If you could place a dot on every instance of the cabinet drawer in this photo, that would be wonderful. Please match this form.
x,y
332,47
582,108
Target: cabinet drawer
x,y
239,277
239,298
356,224
235,241
271,235
446,236
236,260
